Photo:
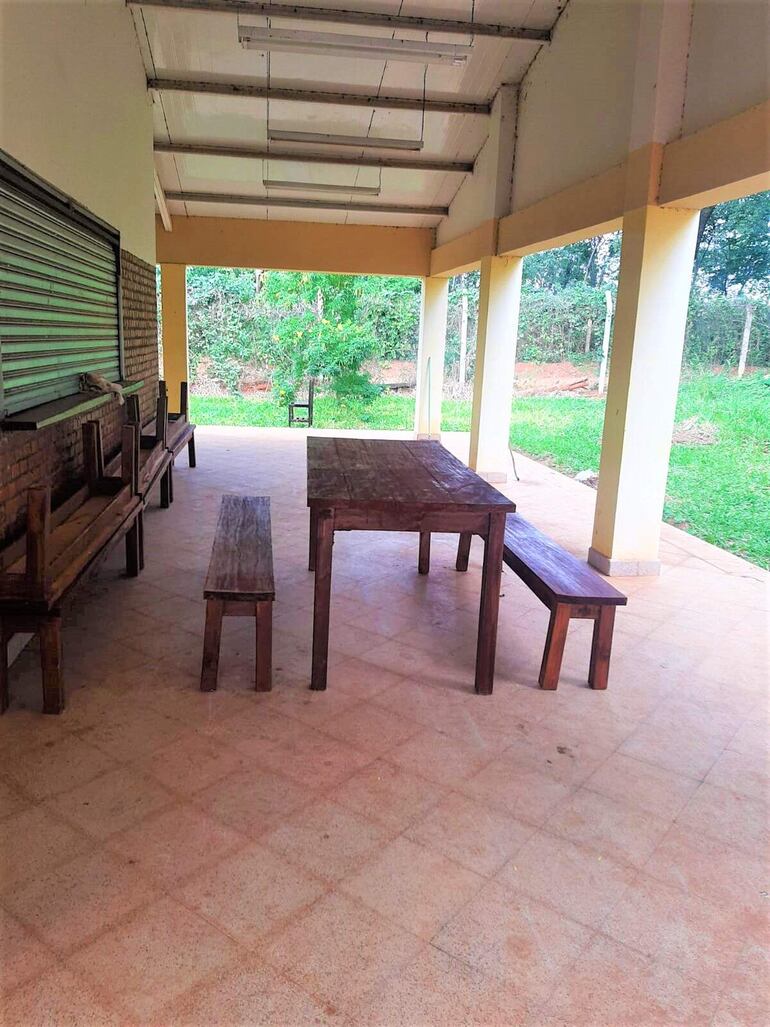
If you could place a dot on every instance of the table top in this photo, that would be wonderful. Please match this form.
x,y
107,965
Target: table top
x,y
378,474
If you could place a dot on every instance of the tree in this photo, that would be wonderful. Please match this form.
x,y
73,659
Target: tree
x,y
733,251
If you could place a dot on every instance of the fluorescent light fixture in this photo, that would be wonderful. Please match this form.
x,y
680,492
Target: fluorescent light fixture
x,y
320,187
328,139
337,44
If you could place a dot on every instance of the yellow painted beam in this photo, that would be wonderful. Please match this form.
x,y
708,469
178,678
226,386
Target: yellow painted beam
x,y
296,246
173,305
465,253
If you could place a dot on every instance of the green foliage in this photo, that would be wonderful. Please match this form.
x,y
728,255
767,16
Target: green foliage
x,y
733,252
719,492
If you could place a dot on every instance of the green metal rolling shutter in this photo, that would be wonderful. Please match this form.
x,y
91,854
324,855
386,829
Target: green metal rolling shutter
x,y
59,302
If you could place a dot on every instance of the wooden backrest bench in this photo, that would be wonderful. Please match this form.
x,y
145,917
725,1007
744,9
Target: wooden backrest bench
x,y
180,432
240,583
155,459
568,587
39,570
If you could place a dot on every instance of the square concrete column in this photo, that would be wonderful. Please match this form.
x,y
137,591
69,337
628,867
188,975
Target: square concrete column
x,y
173,304
653,293
430,358
499,301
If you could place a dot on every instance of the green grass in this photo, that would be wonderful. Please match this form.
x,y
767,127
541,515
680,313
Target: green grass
x,y
719,492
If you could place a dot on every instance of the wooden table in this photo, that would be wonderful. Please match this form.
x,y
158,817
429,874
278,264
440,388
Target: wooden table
x,y
389,485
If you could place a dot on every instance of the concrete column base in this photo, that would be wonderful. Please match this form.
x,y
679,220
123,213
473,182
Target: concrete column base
x,y
494,477
622,568
426,436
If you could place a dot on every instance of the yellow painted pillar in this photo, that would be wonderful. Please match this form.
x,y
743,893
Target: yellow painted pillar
x,y
430,358
499,301
653,292
173,305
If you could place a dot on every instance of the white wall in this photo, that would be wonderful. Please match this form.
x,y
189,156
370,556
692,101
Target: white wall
x,y
729,66
75,110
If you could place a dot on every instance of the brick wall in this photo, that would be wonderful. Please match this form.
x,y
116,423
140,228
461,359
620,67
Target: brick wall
x,y
54,456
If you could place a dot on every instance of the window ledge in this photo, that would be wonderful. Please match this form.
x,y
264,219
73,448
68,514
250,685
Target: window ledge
x,y
46,414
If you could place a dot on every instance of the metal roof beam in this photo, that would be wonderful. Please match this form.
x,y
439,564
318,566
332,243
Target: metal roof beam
x,y
316,157
255,92
160,199
302,204
395,22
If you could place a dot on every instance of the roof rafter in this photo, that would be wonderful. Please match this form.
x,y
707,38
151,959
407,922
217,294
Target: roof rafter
x,y
336,16
303,204
256,92
315,157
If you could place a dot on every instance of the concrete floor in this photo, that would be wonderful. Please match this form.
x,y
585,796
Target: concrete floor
x,y
397,850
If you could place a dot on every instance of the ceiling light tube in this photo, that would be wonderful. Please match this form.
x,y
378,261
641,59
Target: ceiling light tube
x,y
329,139
320,187
338,44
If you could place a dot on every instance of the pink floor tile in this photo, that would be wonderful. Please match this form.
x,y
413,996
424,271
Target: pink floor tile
x,y
413,886
34,842
371,729
57,767
192,763
475,836
24,957
517,789
326,839
340,949
575,880
439,757
253,800
513,938
389,795
650,788
746,775
613,986
615,829
154,957
728,817
746,999
112,802
249,893
58,997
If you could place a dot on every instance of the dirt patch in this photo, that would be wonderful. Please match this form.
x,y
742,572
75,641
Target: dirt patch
x,y
695,432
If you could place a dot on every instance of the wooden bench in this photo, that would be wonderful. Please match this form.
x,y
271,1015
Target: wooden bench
x,y
567,586
59,547
155,458
180,432
240,583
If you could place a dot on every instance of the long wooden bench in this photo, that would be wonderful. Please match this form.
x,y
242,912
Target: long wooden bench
x,y
240,583
567,586
41,568
155,458
180,432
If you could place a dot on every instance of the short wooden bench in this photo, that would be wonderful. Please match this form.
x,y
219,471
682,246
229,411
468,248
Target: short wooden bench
x,y
180,432
240,584
40,569
567,586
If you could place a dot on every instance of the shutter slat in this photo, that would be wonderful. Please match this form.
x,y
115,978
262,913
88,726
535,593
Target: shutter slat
x,y
58,303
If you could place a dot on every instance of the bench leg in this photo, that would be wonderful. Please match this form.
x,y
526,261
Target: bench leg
x,y
50,661
264,621
601,647
554,647
140,536
191,452
166,489
423,562
212,637
463,551
4,690
133,556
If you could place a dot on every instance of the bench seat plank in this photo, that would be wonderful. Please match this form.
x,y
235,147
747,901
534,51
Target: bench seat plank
x,y
241,566
557,573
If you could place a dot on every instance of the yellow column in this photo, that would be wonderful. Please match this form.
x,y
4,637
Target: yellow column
x,y
499,301
430,358
653,292
173,303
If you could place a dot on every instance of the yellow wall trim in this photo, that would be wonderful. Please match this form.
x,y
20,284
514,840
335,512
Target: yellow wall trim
x,y
296,246
722,162
465,252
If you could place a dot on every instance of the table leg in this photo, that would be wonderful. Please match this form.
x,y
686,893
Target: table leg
x,y
463,551
490,603
324,539
311,540
423,563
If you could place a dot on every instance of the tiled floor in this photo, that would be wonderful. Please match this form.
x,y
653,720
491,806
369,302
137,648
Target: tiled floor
x,y
397,850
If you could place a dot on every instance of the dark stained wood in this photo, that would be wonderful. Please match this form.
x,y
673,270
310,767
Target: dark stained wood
x,y
50,659
4,692
559,573
423,560
240,583
322,597
241,566
570,589
490,603
38,536
387,485
463,551
179,431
